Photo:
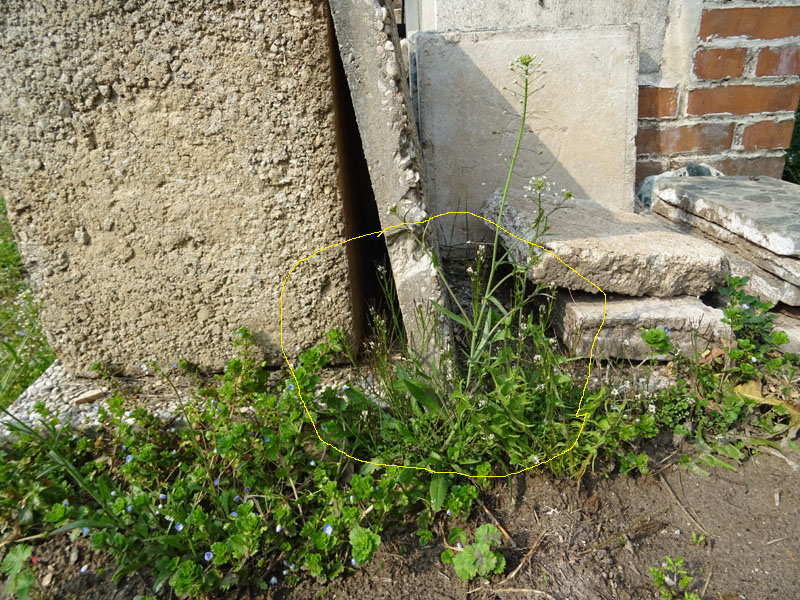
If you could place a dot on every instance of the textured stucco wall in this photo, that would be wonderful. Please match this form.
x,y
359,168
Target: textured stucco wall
x,y
165,164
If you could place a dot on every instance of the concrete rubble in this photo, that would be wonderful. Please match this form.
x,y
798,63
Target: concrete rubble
x,y
578,316
624,253
755,220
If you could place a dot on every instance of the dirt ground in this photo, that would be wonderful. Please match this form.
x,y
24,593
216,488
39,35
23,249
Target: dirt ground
x,y
594,540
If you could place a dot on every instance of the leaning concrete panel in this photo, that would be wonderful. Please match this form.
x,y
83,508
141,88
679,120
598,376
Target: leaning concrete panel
x,y
165,165
370,51
581,125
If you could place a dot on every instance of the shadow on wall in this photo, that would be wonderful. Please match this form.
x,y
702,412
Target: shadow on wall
x,y
469,139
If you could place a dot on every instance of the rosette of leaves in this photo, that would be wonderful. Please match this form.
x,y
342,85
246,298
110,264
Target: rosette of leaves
x,y
478,559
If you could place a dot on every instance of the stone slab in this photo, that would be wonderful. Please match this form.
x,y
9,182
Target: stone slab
x,y
591,246
784,267
792,328
164,175
577,318
378,82
469,116
762,210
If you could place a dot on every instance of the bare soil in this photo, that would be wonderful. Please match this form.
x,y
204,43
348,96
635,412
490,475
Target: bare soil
x,y
596,539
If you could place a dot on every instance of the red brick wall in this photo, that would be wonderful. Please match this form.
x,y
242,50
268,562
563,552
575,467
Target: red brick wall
x,y
735,110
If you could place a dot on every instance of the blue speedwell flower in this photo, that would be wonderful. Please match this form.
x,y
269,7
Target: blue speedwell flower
x,y
291,386
208,556
216,481
273,581
328,529
129,508
85,531
178,526
129,458
162,496
353,561
278,529
234,514
237,498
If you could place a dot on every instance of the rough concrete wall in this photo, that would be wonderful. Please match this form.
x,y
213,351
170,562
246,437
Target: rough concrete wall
x,y
165,165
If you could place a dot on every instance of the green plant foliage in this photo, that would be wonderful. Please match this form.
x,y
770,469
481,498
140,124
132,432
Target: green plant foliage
x,y
19,579
478,559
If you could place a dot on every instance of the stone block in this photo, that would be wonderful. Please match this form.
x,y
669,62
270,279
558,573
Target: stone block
x,y
469,116
692,325
791,325
785,267
588,246
165,167
762,210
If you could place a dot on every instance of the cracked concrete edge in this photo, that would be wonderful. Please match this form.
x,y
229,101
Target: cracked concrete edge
x,y
370,50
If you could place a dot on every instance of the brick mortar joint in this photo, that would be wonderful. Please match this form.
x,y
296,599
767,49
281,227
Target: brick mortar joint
x,y
726,4
771,81
733,43
748,119
721,155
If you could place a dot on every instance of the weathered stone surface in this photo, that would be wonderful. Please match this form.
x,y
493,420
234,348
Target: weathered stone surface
x,y
591,246
644,196
378,82
577,318
743,258
762,210
784,267
165,166
469,116
792,328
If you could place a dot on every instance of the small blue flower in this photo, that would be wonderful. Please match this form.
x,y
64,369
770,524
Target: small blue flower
x,y
266,438
291,386
208,556
129,508
668,330
313,463
247,488
352,498
113,493
84,568
291,567
216,481
746,306
65,503
162,496
178,526
124,447
324,428
273,581
328,529
128,458
172,430
285,572
448,512
239,334
278,528
353,561
614,407
174,366
85,531
234,514
237,498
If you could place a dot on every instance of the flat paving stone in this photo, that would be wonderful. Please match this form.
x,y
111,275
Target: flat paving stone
x,y
589,246
763,210
577,318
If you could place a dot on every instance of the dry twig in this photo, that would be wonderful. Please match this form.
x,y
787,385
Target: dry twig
x,y
509,539
682,507
525,558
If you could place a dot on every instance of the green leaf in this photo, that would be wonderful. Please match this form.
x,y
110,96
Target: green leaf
x,y
447,556
488,534
713,461
438,491
456,318
15,559
464,564
364,544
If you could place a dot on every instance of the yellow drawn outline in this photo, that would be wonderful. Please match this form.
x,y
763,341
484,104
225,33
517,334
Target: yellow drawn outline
x,y
379,233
